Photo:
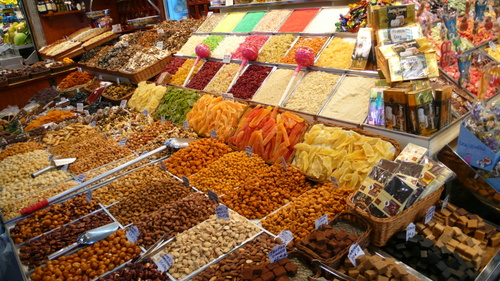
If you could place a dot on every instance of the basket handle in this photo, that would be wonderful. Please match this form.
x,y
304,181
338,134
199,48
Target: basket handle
x,y
362,206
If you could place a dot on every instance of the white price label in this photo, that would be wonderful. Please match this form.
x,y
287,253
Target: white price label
x,y
277,253
162,119
132,234
212,195
213,134
222,212
283,162
78,90
321,221
51,157
162,164
492,45
335,182
86,112
161,31
445,202
159,45
185,180
100,76
226,59
79,106
410,231
186,125
79,69
165,262
80,178
92,124
228,97
123,104
65,168
249,150
88,196
145,112
354,252
118,80
400,35
286,236
430,214
123,142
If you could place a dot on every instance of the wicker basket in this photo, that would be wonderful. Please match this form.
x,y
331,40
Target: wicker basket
x,y
384,229
100,42
126,97
18,79
69,92
146,72
362,230
40,73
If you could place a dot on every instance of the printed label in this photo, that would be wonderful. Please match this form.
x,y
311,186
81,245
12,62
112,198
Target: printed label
x,y
165,262
228,97
445,202
88,196
132,234
145,112
354,252
249,151
286,236
162,119
80,178
283,162
321,221
123,142
161,31
92,124
212,195
79,106
226,59
159,45
430,214
186,125
123,104
277,253
222,212
410,231
335,182
185,180
213,134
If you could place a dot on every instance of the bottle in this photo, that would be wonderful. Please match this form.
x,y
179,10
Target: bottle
x,y
49,7
78,5
83,5
54,6
62,7
42,8
67,4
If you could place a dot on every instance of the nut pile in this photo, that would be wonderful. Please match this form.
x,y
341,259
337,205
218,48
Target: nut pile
x,y
148,38
208,240
92,261
261,195
175,41
230,171
94,60
252,253
123,58
11,209
35,252
198,155
300,214
145,57
72,145
174,218
71,132
146,270
146,134
116,51
21,166
104,168
52,217
126,185
19,148
148,199
92,53
119,91
171,132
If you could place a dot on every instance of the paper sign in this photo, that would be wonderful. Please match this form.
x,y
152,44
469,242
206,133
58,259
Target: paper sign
x,y
162,119
226,59
228,97
410,231
79,106
86,112
159,45
286,236
283,162
88,196
118,80
445,202
492,45
185,180
78,90
222,212
212,195
321,221
123,104
213,134
335,182
354,252
277,253
145,112
51,157
160,31
249,151
132,234
165,262
186,125
430,214
79,69
92,124
81,178
123,142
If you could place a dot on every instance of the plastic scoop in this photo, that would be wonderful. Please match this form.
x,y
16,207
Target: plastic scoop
x,y
249,53
304,56
88,237
202,51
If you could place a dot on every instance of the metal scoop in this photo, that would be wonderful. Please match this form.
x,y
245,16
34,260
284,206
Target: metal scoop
x,y
178,143
88,237
55,163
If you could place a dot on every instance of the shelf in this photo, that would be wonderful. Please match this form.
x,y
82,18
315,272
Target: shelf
x,y
62,13
285,4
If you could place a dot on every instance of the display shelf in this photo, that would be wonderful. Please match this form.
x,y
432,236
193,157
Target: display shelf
x,y
62,13
282,4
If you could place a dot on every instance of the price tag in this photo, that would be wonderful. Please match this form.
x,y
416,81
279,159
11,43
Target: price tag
x,y
400,35
100,76
186,125
159,45
144,152
286,236
78,90
410,231
51,157
162,164
321,221
88,196
80,178
249,151
212,195
492,45
228,97
118,80
165,262
123,104
222,212
86,112
185,180
335,182
277,253
79,69
226,59
161,31
213,134
132,234
79,106
354,252
430,214
123,142
92,124
162,119
145,112
445,202
283,162
64,168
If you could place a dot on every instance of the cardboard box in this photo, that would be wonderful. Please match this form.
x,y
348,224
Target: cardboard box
x,y
381,17
475,152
